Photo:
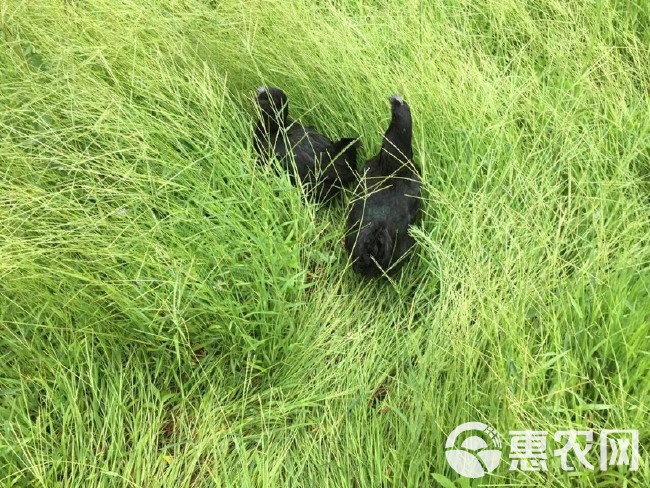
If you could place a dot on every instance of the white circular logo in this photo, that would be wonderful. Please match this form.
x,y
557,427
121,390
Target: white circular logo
x,y
474,457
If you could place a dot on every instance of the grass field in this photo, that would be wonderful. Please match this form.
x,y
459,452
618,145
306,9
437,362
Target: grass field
x,y
172,314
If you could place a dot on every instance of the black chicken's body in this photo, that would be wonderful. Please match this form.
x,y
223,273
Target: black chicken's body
x,y
377,236
322,166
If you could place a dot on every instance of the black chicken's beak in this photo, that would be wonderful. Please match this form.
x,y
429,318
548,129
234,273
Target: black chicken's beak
x,y
396,100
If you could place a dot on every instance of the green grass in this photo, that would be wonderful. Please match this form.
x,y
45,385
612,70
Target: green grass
x,y
171,314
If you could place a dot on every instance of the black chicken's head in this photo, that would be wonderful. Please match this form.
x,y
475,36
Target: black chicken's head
x,y
273,104
397,145
400,111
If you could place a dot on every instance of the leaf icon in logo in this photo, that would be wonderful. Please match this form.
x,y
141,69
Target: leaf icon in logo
x,y
474,458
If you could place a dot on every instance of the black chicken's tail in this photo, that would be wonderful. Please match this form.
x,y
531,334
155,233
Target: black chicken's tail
x,y
344,161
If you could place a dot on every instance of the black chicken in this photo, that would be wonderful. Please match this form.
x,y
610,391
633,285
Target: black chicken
x,y
322,166
377,236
